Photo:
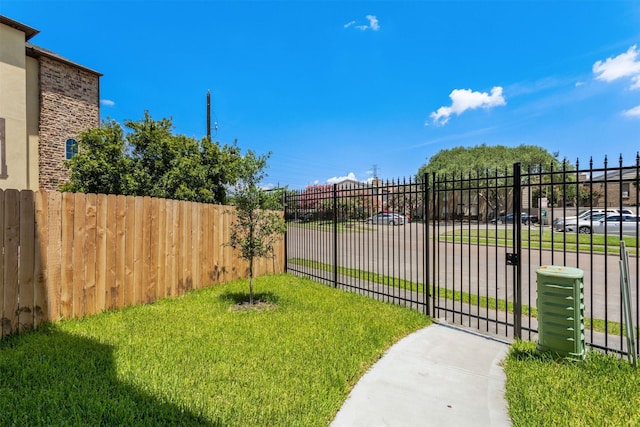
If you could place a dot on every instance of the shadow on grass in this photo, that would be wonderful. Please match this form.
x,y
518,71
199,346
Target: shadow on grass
x,y
527,351
243,297
49,377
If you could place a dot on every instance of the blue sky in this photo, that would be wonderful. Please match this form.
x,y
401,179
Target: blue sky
x,y
336,88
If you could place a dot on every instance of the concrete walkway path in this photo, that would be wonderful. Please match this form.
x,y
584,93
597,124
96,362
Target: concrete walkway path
x,y
438,376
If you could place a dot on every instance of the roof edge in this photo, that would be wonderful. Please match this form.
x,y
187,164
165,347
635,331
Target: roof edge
x,y
28,31
37,51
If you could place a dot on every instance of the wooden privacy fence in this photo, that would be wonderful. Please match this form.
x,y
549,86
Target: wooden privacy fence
x,y
69,255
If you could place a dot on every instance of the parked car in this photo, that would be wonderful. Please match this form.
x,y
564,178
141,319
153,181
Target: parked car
x,y
387,218
559,223
406,217
583,226
525,218
613,223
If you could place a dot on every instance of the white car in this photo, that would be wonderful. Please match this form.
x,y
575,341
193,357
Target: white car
x,y
612,224
560,223
583,226
391,218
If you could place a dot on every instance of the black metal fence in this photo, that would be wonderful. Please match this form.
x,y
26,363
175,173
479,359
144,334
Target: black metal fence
x,y
466,248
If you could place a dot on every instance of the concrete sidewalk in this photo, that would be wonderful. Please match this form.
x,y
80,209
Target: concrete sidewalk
x,y
438,376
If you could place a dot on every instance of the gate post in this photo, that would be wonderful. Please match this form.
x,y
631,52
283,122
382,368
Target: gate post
x,y
517,249
286,230
335,235
425,255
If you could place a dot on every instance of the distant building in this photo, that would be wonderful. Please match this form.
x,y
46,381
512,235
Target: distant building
x,y
45,102
615,187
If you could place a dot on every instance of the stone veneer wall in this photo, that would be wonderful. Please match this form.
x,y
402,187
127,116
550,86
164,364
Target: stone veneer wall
x,y
69,104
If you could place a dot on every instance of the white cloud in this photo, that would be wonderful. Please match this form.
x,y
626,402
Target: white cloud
x,y
373,22
578,84
107,102
373,25
466,99
634,112
337,179
624,65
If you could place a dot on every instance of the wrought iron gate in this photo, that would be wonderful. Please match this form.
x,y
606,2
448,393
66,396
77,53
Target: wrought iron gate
x,y
466,248
476,251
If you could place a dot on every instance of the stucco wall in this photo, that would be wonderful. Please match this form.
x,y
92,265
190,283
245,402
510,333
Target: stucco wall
x,y
13,107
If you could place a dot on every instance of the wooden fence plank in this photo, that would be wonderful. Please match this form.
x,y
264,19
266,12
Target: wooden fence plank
x,y
161,267
181,248
11,243
175,214
129,246
91,231
40,311
195,245
231,267
231,256
168,247
211,277
146,249
79,253
54,254
111,289
101,252
188,247
138,296
121,232
220,243
206,245
27,260
152,255
215,242
66,284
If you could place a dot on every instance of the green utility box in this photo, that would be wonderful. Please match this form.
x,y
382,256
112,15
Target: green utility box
x,y
561,311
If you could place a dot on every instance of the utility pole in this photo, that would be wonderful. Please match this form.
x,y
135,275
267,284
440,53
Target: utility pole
x,y
208,114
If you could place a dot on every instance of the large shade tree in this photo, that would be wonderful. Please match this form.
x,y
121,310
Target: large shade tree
x,y
490,159
145,158
485,167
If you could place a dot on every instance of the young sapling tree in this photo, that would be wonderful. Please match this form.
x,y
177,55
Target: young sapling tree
x,y
257,227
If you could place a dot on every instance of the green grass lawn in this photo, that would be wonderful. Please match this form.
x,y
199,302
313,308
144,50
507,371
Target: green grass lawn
x,y
541,391
195,361
533,238
490,303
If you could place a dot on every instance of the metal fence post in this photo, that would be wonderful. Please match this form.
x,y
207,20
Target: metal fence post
x,y
426,254
517,245
335,235
286,230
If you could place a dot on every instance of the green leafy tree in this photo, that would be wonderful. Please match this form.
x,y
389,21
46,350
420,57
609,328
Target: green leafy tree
x,y
101,164
488,159
149,160
256,228
485,167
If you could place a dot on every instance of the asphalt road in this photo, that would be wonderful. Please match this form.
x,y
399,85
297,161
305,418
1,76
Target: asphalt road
x,y
477,269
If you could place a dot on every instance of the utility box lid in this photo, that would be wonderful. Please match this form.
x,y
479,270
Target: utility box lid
x,y
560,271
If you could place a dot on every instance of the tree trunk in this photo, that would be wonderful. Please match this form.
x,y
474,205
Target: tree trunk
x,y
251,281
